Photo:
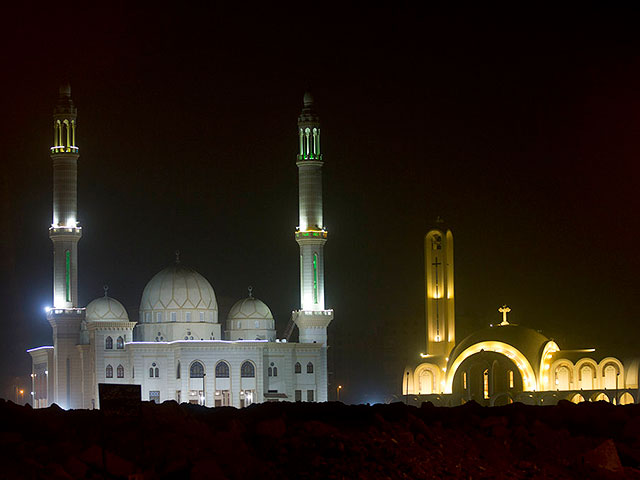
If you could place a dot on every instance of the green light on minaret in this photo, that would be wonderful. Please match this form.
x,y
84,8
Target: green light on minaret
x,y
315,278
67,275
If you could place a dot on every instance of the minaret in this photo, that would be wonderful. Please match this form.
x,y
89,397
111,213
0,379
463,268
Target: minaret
x,y
64,231
312,319
65,317
439,299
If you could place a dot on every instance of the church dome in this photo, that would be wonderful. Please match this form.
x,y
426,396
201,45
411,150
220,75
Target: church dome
x,y
106,309
526,340
176,289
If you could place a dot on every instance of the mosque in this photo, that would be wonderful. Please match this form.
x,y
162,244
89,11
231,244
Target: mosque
x,y
504,362
178,349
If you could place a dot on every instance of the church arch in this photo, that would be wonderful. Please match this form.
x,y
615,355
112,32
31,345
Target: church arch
x,y
526,370
600,397
611,373
426,379
562,374
586,369
576,398
626,399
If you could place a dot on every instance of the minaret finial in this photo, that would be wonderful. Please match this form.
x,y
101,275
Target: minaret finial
x,y
177,256
250,288
106,289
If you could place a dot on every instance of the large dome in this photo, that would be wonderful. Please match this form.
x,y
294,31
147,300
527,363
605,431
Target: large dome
x,y
106,309
175,290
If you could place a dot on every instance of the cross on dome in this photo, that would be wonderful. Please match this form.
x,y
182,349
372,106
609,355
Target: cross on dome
x,y
504,310
106,289
250,288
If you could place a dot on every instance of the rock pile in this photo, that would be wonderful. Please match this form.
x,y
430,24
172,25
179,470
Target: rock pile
x,y
330,440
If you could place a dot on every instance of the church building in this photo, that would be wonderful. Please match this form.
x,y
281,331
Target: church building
x,y
178,349
504,362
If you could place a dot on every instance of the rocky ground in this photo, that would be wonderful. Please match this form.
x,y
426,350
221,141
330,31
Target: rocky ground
x,y
330,440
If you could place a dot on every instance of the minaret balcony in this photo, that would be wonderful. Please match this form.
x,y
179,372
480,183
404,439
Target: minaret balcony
x,y
65,230
301,235
65,149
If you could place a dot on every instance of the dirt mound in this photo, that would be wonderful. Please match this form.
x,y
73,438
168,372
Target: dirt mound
x,y
330,440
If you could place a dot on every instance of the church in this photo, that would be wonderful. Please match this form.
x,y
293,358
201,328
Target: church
x,y
504,362
178,348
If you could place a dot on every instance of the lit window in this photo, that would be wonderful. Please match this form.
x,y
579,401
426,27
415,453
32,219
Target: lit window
x,y
222,370
315,278
485,384
109,373
510,378
120,371
108,343
309,367
297,368
120,343
247,370
464,380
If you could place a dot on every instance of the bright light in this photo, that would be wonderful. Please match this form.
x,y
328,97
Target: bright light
x,y
47,309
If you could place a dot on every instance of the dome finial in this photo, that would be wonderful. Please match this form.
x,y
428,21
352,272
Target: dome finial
x,y
504,309
106,289
307,99
250,288
177,256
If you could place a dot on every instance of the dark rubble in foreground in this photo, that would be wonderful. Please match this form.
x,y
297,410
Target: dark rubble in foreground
x,y
330,440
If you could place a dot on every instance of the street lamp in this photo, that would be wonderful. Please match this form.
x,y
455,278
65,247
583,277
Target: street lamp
x,y
338,391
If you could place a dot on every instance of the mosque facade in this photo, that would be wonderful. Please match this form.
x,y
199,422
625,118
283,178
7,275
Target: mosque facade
x,y
178,349
504,362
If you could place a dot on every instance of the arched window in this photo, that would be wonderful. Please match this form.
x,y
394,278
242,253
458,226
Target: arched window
x,y
426,382
120,371
247,370
510,378
315,277
196,370
586,377
270,371
562,378
485,384
222,370
275,371
178,370
120,343
610,374
464,380
309,367
157,370
297,368
109,371
151,372
108,343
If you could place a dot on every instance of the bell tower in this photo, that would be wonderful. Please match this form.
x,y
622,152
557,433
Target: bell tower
x,y
439,297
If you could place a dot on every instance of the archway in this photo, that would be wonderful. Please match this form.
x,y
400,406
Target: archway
x,y
577,398
626,399
601,397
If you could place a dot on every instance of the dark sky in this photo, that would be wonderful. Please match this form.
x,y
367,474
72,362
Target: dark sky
x,y
520,130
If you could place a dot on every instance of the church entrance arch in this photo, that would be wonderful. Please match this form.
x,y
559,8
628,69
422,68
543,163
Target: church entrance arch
x,y
519,360
487,378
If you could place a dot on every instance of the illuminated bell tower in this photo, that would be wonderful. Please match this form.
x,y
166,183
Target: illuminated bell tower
x,y
64,231
312,319
439,298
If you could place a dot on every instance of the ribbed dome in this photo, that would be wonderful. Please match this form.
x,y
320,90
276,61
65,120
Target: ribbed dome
x,y
250,309
178,287
106,309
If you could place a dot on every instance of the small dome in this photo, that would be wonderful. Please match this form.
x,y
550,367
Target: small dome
x,y
250,309
106,309
179,288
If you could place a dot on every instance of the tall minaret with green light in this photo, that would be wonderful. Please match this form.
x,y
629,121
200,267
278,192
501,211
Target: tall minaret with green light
x,y
313,318
64,374
64,231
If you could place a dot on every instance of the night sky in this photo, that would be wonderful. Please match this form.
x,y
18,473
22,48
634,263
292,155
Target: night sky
x,y
521,131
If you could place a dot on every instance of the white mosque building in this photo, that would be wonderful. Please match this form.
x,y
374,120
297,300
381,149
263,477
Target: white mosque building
x,y
504,362
178,349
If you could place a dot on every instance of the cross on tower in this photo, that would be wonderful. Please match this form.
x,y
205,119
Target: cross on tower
x,y
504,310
